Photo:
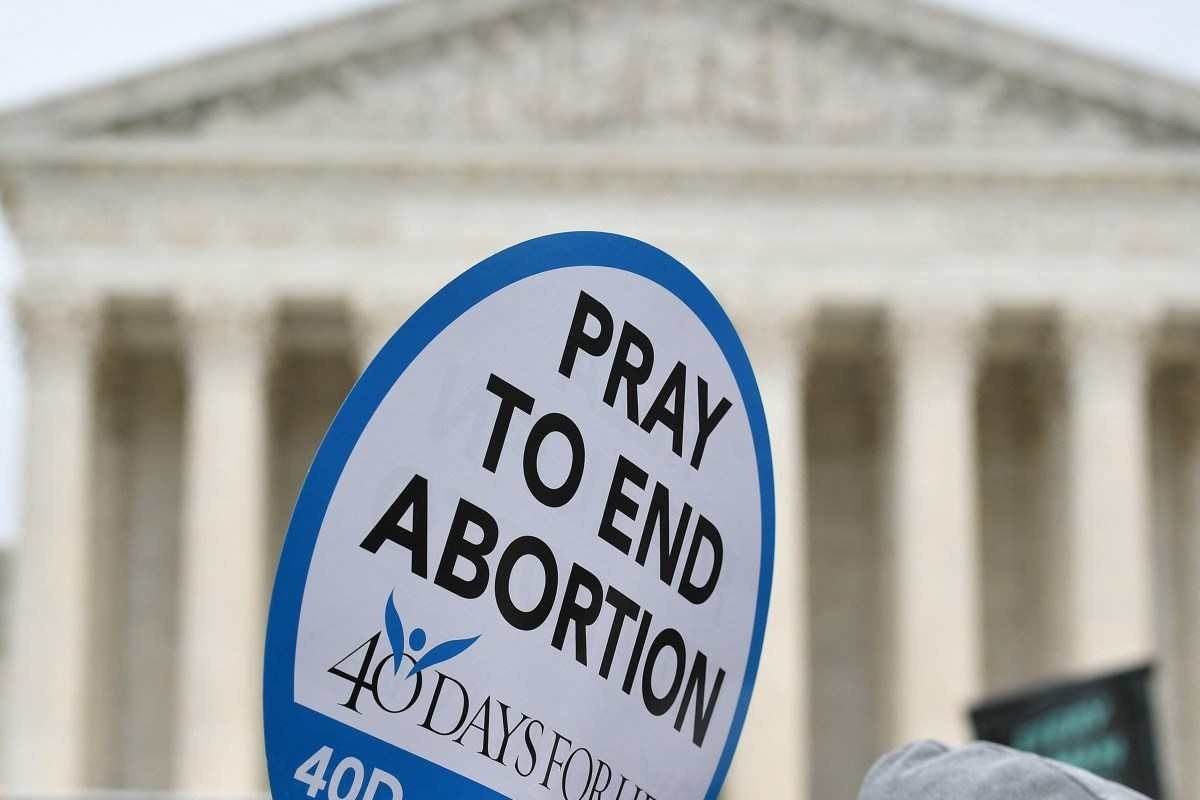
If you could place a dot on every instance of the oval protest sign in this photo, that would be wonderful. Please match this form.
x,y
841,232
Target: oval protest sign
x,y
532,557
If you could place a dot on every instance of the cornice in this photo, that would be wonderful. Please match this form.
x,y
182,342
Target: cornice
x,y
549,163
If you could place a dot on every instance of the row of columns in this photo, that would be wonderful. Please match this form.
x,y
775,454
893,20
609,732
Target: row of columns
x,y
223,594
936,605
936,608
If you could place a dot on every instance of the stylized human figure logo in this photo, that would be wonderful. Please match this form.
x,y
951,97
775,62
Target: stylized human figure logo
x,y
394,627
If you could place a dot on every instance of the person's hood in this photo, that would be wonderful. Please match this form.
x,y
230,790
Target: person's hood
x,y
981,771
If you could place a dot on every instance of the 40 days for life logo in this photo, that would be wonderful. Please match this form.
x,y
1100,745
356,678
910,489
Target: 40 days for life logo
x,y
367,678
532,556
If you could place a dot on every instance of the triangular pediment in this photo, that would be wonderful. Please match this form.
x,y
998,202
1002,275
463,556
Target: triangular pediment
x,y
797,72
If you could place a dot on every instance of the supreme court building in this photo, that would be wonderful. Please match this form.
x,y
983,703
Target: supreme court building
x,y
966,264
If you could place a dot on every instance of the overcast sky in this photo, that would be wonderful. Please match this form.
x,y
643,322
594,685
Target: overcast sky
x,y
50,46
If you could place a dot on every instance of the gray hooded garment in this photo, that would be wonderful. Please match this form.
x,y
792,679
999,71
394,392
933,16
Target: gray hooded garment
x,y
981,771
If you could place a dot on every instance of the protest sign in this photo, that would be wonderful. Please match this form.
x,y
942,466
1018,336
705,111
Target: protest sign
x,y
532,556
1102,724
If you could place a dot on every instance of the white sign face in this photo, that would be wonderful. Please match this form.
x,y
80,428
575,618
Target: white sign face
x,y
532,556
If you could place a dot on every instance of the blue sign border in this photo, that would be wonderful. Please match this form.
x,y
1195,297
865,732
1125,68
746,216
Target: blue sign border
x,y
289,728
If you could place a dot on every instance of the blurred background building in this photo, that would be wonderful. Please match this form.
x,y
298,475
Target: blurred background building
x,y
966,263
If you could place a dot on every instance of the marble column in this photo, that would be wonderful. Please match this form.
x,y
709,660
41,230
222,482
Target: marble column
x,y
224,591
1107,565
772,759
47,740
936,605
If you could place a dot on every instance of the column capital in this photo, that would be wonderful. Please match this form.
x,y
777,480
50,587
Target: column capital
x,y
780,334
1109,337
1109,323
942,323
59,320
226,323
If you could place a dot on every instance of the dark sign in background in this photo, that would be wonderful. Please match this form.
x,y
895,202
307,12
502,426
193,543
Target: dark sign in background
x,y
1104,725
